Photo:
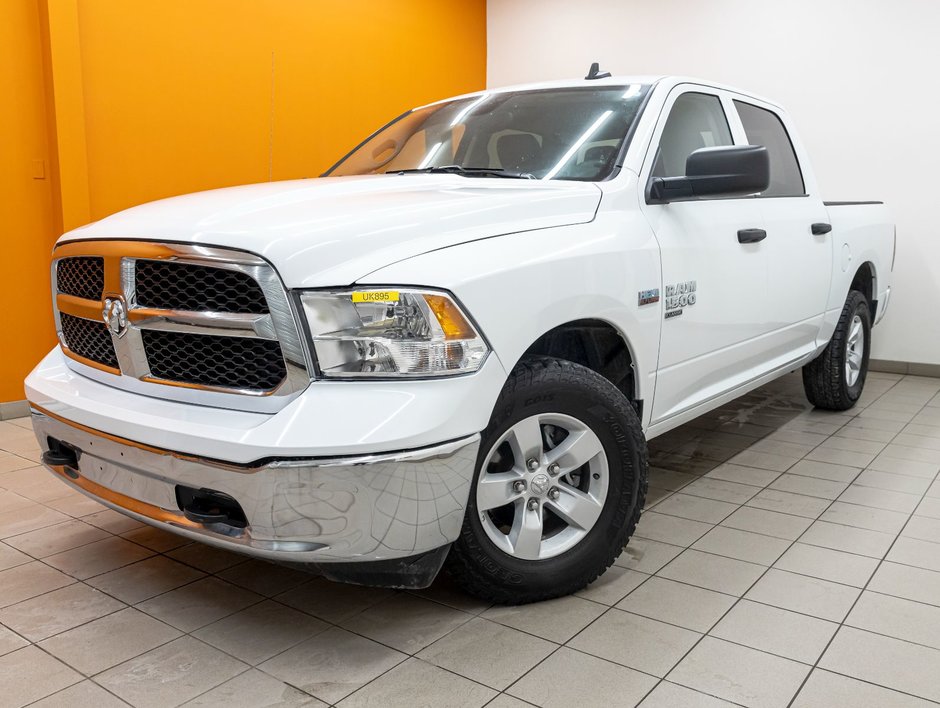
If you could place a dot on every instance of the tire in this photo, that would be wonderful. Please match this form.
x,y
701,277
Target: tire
x,y
828,379
561,411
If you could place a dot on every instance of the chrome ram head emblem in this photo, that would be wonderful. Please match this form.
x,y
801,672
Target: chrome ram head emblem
x,y
114,315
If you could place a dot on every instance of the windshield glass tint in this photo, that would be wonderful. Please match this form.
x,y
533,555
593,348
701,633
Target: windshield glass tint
x,y
566,133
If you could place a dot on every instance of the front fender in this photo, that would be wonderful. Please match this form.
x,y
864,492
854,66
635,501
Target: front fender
x,y
519,286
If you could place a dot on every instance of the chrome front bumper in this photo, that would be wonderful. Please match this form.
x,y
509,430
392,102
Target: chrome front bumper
x,y
311,510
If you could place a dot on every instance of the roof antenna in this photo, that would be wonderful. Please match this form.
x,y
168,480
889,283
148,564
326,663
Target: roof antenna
x,y
595,73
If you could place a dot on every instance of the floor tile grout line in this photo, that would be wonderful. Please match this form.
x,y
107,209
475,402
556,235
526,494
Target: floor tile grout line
x,y
730,608
696,690
37,642
535,666
6,539
45,562
232,678
331,624
802,575
503,693
142,611
869,683
720,523
855,602
741,597
747,503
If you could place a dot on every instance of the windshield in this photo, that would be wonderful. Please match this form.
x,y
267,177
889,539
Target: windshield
x,y
564,133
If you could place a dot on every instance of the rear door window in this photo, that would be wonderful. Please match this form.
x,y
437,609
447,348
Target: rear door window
x,y
763,127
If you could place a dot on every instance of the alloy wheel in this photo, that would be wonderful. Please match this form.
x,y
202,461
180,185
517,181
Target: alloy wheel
x,y
542,486
854,351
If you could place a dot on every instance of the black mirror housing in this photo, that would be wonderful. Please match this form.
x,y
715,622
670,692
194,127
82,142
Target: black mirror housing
x,y
727,171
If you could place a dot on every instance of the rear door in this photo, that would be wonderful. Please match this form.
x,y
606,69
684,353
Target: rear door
x,y
799,265
714,293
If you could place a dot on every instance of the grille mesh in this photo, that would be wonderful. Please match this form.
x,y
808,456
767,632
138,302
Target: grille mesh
x,y
81,276
184,286
208,360
88,339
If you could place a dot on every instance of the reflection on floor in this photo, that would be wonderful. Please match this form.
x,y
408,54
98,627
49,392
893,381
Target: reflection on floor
x,y
784,553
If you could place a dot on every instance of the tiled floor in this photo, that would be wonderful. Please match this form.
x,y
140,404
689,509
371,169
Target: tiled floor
x,y
787,557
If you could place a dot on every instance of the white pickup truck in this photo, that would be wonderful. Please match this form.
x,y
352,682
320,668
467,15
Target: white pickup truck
x,y
454,346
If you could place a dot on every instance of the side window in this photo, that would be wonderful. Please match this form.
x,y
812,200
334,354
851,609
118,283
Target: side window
x,y
696,120
763,127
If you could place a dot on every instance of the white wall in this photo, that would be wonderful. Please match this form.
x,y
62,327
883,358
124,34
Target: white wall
x,y
859,77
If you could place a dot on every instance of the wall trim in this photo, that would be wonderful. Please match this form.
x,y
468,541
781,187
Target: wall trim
x,y
904,367
14,409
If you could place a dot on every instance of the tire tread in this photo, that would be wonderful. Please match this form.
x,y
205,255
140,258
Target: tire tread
x,y
461,566
824,377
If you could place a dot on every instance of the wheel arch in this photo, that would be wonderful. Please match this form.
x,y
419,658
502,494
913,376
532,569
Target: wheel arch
x,y
866,282
598,345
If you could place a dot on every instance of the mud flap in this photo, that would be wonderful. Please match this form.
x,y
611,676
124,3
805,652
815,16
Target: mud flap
x,y
411,573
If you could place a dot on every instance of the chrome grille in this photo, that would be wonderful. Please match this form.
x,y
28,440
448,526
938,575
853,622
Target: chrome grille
x,y
190,323
82,277
236,362
184,286
89,339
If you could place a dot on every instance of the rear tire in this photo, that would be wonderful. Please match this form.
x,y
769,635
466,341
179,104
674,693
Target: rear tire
x,y
564,469
834,380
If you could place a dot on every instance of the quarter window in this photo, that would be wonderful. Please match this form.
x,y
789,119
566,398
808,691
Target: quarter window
x,y
696,120
763,127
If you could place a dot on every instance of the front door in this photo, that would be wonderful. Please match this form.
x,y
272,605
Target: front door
x,y
714,286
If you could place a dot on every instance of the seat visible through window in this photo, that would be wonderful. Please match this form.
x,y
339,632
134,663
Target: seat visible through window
x,y
518,152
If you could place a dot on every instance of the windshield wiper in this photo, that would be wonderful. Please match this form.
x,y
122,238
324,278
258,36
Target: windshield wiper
x,y
464,171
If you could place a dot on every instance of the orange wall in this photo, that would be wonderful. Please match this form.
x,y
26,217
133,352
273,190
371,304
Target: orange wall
x,y
182,96
151,99
26,231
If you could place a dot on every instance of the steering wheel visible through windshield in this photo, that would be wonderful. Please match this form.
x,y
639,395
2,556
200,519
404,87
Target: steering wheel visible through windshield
x,y
563,133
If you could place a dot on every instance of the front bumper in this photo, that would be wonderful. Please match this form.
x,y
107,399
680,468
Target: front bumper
x,y
380,507
330,419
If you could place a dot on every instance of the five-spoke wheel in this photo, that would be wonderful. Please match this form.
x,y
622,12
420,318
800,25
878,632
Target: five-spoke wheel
x,y
542,486
558,489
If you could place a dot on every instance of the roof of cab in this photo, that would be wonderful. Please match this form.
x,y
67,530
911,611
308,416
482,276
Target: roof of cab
x,y
668,81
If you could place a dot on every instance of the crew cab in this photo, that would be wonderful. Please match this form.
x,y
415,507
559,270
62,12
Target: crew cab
x,y
453,347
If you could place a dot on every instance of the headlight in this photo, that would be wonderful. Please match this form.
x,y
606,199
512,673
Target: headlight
x,y
378,333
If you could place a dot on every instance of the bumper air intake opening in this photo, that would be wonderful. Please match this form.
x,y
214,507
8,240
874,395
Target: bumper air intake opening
x,y
207,506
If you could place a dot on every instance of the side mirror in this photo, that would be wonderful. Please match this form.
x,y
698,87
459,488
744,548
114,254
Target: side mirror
x,y
726,171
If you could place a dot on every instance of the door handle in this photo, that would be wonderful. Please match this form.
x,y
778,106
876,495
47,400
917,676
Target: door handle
x,y
820,229
751,235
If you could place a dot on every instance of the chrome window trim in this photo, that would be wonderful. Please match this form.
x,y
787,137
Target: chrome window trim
x,y
281,324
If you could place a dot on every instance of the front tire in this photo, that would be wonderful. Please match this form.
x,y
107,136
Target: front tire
x,y
834,380
560,482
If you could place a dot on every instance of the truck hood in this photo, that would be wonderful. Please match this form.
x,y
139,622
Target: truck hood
x,y
332,231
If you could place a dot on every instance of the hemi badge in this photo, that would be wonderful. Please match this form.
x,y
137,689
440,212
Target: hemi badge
x,y
647,297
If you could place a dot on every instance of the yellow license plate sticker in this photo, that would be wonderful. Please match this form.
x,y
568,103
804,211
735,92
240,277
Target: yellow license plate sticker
x,y
375,296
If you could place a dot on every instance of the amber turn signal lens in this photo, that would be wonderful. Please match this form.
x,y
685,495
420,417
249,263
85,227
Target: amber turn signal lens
x,y
452,322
